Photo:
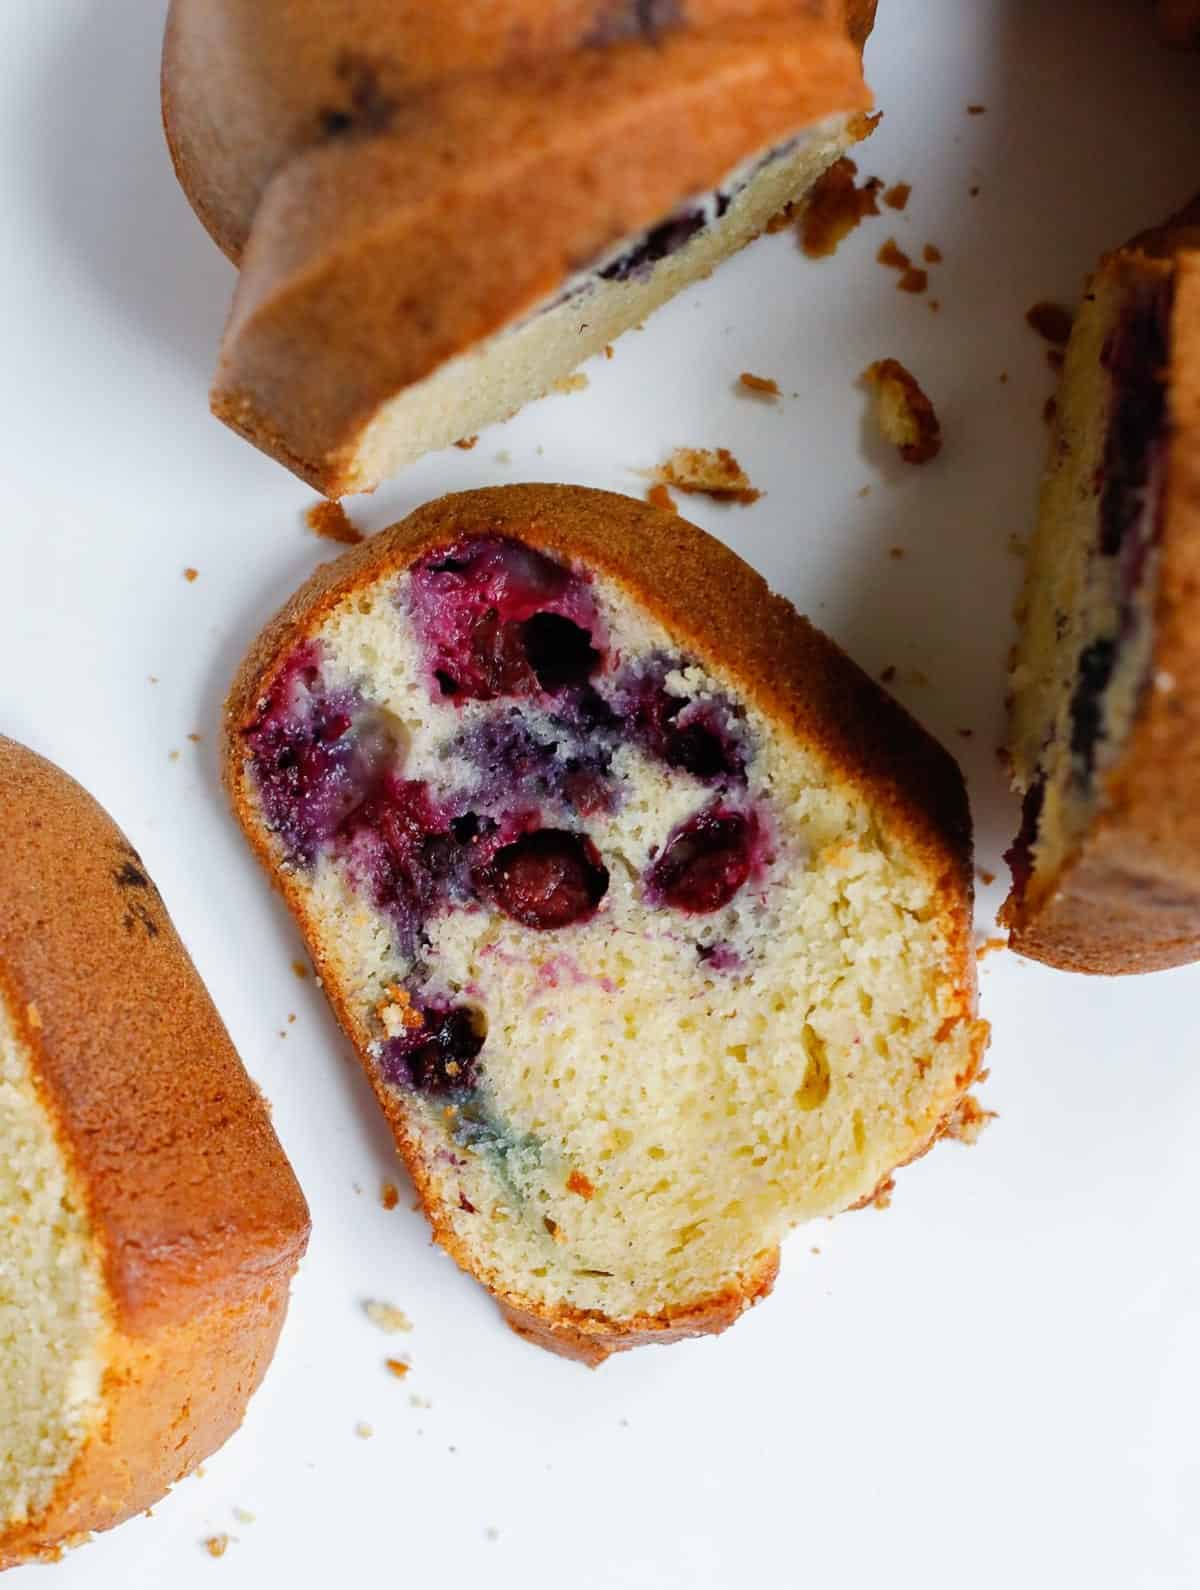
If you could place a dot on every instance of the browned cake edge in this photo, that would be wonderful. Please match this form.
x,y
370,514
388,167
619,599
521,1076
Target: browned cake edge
x,y
1128,900
723,612
197,1219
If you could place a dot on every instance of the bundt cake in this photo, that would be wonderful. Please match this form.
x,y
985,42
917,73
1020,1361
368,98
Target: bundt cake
x,y
149,1222
647,912
1105,704
439,211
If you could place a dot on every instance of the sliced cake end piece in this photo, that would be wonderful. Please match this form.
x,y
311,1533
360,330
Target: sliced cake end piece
x,y
647,912
1105,701
149,1222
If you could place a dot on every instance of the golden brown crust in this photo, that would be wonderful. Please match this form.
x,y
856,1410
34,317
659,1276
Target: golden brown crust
x,y
723,612
1129,900
198,1219
375,175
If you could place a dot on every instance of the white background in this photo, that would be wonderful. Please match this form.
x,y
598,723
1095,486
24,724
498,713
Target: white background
x,y
994,1383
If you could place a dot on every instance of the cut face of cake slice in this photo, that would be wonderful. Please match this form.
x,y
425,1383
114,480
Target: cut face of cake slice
x,y
1106,868
647,912
435,223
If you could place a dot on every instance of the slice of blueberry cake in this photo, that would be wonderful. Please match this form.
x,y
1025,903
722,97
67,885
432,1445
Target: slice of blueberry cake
x,y
648,913
1105,704
440,211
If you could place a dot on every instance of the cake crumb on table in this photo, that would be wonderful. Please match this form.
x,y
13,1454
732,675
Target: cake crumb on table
x,y
709,472
932,254
892,256
331,522
191,575
217,1545
465,443
363,1430
300,970
389,1194
387,1317
760,385
989,947
906,416
897,195
976,110
397,1367
660,497
835,206
1051,321
913,280
985,877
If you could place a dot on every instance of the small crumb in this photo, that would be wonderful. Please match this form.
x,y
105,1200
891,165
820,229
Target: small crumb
x,y
1004,378
985,877
906,416
242,1516
660,497
888,674
966,734
989,947
896,197
172,756
291,1017
976,110
709,471
761,385
387,1317
363,1430
299,968
608,350
893,256
331,522
975,191
217,1545
571,383
196,739
914,280
578,1183
969,1121
466,443
1051,321
191,575
835,206
931,254
814,1250
389,1195
33,1016
895,552
935,305
397,1367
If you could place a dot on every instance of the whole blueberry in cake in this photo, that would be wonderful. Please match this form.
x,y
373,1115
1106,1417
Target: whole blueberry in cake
x,y
1105,705
647,912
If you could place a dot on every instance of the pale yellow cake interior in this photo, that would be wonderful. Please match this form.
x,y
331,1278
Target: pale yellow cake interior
x,y
1072,599
708,1111
495,379
51,1322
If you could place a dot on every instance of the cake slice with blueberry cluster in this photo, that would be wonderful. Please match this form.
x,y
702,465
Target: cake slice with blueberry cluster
x,y
648,914
1105,706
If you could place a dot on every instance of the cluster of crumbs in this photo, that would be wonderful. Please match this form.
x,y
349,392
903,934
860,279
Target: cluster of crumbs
x,y
330,521
906,416
835,206
710,472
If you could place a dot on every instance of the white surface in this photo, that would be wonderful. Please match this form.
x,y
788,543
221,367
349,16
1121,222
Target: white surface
x,y
995,1383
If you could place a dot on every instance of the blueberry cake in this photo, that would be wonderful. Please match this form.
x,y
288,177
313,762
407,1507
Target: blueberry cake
x,y
439,212
1105,703
649,915
149,1222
